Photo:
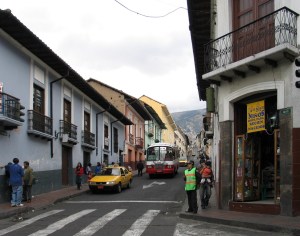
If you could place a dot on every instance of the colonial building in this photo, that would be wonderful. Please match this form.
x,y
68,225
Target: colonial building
x,y
132,109
244,55
153,128
181,140
168,135
49,115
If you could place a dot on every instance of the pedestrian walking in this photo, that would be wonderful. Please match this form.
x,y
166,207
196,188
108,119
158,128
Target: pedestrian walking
x,y
206,184
191,187
140,167
28,180
16,174
88,171
79,171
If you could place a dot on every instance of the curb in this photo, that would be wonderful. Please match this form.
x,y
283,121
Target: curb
x,y
250,225
18,212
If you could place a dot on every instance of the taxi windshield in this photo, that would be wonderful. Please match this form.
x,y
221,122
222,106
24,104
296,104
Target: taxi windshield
x,y
111,171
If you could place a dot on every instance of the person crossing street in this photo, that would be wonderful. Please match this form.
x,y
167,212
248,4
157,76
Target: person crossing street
x,y
140,167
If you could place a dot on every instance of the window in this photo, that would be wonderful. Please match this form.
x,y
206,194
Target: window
x,y
255,37
67,111
116,144
87,124
106,143
38,99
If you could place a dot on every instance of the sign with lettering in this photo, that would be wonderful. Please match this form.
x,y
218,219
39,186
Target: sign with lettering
x,y
256,116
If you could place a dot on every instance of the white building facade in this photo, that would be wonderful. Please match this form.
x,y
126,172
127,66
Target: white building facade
x,y
247,76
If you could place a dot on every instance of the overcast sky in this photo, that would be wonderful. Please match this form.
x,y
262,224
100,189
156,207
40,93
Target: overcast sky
x,y
142,47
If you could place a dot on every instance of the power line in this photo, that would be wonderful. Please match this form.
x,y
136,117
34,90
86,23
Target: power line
x,y
149,15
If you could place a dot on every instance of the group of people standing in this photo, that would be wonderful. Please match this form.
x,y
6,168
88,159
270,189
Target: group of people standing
x,y
19,180
79,172
201,178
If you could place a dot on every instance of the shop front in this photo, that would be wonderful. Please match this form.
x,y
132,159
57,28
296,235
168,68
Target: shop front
x,y
256,164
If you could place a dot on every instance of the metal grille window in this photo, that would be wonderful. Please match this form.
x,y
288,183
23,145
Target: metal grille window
x,y
38,99
116,144
106,143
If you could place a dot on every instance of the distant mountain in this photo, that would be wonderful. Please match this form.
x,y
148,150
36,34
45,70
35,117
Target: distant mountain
x,y
190,122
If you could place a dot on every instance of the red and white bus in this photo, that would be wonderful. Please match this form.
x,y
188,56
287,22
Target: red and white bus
x,y
162,158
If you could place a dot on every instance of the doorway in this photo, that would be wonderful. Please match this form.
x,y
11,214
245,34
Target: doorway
x,y
256,158
66,166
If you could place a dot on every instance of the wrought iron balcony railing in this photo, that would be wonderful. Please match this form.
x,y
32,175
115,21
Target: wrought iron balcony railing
x,y
39,122
277,28
88,139
10,107
68,128
139,142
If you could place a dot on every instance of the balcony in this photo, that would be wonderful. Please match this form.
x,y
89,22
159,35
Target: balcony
x,y
251,47
39,125
10,110
139,142
68,132
88,139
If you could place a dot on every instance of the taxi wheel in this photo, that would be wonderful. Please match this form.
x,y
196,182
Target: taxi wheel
x,y
119,188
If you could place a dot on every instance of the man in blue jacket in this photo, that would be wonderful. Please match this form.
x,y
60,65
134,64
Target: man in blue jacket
x,y
16,174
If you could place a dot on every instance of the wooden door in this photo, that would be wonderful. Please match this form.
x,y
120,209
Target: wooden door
x,y
253,36
66,166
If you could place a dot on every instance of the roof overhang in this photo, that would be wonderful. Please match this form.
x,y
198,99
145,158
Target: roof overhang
x,y
200,24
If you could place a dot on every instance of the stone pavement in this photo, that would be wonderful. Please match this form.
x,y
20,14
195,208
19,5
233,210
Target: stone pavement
x,y
270,223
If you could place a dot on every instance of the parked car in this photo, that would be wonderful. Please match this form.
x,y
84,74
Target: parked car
x,y
183,161
113,178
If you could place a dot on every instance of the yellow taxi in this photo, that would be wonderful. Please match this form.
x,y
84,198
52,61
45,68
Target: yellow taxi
x,y
183,161
113,178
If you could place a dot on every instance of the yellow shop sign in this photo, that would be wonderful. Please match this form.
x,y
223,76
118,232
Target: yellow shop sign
x,y
256,116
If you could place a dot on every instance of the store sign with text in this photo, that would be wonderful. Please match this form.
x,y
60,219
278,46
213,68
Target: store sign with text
x,y
256,116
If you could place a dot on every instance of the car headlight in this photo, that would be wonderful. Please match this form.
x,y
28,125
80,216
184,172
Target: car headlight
x,y
110,182
92,183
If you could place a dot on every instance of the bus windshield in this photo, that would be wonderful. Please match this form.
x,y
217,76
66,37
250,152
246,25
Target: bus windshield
x,y
158,153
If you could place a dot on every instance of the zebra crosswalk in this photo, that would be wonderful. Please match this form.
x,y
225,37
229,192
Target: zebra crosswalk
x,y
136,229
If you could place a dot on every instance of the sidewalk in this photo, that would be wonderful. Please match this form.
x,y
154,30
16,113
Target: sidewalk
x,y
270,223
43,201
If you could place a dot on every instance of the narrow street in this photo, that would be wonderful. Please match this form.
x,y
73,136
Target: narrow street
x,y
149,207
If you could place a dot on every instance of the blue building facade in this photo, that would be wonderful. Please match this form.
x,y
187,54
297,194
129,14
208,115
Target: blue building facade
x,y
49,115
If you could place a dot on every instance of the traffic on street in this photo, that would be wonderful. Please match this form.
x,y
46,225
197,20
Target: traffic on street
x,y
148,207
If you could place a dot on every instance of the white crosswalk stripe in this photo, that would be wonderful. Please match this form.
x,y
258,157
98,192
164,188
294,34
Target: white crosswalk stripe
x,y
139,226
28,222
136,229
61,223
99,223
